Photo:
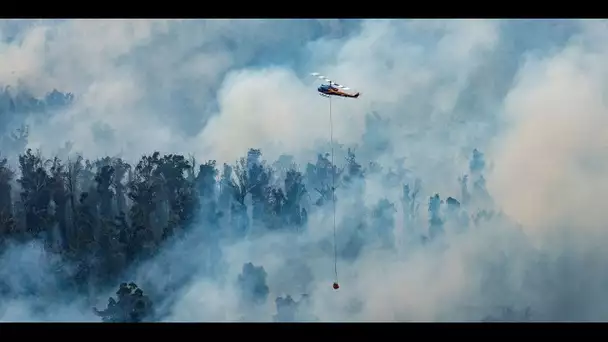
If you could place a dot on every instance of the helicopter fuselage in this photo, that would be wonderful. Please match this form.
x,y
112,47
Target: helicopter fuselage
x,y
329,90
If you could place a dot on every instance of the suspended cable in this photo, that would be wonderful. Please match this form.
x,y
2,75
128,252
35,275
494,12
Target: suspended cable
x,y
329,90
333,196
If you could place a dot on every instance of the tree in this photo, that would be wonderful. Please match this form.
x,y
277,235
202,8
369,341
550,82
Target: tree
x,y
324,177
60,199
286,309
35,193
383,221
354,170
7,220
477,163
130,306
295,190
252,284
435,221
206,185
410,204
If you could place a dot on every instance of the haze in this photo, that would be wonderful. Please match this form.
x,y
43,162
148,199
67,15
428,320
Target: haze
x,y
528,96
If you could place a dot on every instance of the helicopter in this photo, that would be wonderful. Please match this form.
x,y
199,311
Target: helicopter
x,y
332,88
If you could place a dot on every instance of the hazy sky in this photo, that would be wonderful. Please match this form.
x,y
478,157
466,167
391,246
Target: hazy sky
x,y
529,93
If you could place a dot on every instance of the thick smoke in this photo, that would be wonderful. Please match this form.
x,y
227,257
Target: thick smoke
x,y
522,241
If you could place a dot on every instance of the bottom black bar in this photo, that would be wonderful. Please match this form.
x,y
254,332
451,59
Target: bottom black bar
x,y
289,331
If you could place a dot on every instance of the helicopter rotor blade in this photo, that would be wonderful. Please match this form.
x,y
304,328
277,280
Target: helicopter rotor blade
x,y
316,74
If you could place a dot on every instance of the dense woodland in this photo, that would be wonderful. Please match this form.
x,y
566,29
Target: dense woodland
x,y
106,215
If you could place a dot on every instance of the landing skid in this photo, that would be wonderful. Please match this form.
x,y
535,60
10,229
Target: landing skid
x,y
324,95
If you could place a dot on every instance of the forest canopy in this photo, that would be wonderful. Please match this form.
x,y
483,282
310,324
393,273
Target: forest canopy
x,y
104,216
